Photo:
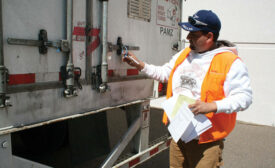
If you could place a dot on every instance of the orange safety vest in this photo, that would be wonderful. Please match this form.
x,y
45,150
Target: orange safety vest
x,y
211,90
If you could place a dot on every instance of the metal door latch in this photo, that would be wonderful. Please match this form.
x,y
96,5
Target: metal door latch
x,y
96,77
42,43
77,74
67,74
4,80
119,46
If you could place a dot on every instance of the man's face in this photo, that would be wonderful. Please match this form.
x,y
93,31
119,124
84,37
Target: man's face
x,y
198,41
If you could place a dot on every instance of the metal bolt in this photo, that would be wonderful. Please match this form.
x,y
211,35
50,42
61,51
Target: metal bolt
x,y
74,92
146,107
66,91
5,144
8,102
102,88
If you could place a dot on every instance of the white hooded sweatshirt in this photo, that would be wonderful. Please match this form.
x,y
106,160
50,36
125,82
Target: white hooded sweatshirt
x,y
188,78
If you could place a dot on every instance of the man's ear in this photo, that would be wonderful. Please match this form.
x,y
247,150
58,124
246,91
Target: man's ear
x,y
210,35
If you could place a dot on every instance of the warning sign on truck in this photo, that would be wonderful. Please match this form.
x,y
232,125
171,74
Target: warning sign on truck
x,y
168,13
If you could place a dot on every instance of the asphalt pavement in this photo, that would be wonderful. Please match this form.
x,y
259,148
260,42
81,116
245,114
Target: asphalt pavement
x,y
248,146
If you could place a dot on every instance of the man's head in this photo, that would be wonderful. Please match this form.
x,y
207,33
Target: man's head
x,y
204,27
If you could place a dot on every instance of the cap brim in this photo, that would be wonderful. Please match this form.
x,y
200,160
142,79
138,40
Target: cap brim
x,y
188,27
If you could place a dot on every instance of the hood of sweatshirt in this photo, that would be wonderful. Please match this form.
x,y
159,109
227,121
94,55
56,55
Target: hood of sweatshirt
x,y
227,45
222,46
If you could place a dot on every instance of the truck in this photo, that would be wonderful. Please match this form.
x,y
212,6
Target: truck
x,y
67,99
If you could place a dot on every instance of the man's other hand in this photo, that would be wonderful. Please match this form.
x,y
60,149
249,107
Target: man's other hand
x,y
200,107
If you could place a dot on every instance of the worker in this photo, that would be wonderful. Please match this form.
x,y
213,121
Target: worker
x,y
210,72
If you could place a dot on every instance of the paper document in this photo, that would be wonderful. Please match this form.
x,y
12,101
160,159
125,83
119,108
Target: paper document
x,y
203,124
183,124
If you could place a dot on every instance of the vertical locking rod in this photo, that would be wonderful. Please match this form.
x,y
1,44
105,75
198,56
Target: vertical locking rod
x,y
70,89
104,65
4,101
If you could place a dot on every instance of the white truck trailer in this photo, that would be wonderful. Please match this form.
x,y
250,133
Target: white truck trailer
x,y
64,88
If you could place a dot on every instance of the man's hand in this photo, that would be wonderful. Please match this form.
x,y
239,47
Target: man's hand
x,y
132,60
200,107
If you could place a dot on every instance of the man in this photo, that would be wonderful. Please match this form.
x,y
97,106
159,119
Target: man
x,y
210,72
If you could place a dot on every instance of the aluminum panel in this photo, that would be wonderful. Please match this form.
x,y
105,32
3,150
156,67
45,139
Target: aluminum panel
x,y
23,20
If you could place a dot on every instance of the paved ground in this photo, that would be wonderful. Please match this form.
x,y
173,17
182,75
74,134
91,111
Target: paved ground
x,y
248,146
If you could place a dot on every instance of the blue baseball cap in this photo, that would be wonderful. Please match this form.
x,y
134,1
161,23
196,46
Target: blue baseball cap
x,y
203,20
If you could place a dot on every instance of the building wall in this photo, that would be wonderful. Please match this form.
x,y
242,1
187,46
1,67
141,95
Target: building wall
x,y
248,23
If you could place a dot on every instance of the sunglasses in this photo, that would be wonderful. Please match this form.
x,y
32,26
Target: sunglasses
x,y
195,22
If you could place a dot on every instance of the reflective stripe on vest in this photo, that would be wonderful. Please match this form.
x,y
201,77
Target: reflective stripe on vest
x,y
211,90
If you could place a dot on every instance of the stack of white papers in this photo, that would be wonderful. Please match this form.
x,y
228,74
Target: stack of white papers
x,y
184,124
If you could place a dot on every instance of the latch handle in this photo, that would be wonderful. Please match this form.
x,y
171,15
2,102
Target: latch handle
x,y
119,46
42,43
